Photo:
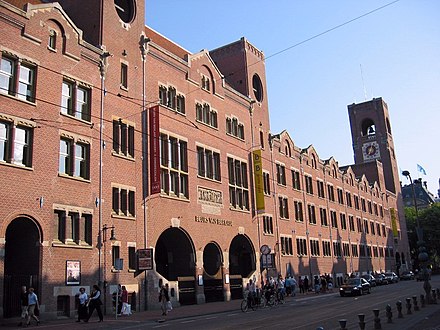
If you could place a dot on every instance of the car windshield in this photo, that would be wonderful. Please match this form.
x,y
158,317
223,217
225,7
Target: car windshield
x,y
353,281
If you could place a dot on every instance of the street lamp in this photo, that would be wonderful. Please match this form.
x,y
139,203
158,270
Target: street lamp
x,y
423,255
104,239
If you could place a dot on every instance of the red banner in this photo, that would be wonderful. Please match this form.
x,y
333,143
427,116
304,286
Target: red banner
x,y
154,150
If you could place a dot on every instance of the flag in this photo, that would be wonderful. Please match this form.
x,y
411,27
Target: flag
x,y
421,169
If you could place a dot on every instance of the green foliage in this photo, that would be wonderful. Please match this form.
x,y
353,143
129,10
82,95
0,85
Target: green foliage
x,y
430,222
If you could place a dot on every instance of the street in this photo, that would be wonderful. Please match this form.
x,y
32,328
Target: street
x,y
320,310
309,311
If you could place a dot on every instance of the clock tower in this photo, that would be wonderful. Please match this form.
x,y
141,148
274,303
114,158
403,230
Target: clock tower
x,y
373,140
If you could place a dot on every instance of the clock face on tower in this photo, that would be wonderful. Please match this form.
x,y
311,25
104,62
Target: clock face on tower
x,y
126,10
370,150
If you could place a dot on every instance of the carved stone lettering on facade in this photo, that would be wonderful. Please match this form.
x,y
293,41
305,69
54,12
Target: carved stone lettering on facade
x,y
213,221
209,196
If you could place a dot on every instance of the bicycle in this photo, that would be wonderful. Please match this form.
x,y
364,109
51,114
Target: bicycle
x,y
248,301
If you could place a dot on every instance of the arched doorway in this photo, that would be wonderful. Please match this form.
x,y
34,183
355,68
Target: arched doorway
x,y
241,263
213,274
175,260
22,262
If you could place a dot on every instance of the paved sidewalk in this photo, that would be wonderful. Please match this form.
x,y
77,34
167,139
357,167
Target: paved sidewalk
x,y
427,318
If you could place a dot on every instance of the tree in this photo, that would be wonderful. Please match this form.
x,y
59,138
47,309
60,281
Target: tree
x,y
430,222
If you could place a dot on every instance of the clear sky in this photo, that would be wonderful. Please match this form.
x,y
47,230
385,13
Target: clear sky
x,y
393,53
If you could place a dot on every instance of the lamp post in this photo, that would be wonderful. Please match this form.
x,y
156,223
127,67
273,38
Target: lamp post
x,y
104,240
423,255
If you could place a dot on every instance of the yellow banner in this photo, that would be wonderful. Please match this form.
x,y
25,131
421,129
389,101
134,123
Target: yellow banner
x,y
258,178
394,222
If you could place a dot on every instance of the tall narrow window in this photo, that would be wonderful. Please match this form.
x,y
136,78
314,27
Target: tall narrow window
x,y
284,207
115,255
124,75
123,202
22,149
296,183
281,174
174,166
75,100
74,158
21,146
52,44
266,182
208,164
17,78
131,258
238,184
234,128
123,138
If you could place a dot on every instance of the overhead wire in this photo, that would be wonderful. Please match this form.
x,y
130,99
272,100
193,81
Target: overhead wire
x,y
149,102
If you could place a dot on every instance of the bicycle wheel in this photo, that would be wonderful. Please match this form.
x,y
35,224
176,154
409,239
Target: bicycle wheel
x,y
244,306
263,302
272,301
254,304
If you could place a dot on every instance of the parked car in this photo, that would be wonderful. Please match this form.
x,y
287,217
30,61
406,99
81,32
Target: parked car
x,y
407,275
355,286
391,277
380,279
370,279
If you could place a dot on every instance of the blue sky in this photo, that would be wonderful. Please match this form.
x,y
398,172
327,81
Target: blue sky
x,y
393,53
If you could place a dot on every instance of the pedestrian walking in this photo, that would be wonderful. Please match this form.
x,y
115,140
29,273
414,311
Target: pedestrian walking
x,y
95,302
301,285
33,305
124,297
24,305
164,300
82,305
293,284
306,284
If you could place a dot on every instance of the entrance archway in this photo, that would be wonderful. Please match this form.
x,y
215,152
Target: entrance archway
x,y
22,262
241,263
175,260
213,275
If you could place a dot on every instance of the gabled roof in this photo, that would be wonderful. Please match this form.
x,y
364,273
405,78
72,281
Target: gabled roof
x,y
204,53
166,43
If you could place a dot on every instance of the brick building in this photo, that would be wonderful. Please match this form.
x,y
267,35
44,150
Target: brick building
x,y
114,139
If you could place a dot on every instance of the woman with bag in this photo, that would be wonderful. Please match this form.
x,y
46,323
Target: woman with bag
x,y
95,303
82,305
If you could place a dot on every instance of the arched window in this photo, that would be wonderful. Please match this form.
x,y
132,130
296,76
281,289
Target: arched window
x,y
287,149
313,161
368,127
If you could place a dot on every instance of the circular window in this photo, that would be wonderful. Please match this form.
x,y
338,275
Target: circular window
x,y
257,87
126,10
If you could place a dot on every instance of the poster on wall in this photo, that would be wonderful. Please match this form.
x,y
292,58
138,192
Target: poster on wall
x,y
73,272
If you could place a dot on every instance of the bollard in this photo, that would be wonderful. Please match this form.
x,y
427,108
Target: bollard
x,y
422,300
389,314
416,307
343,324
434,296
408,306
399,309
361,321
377,324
